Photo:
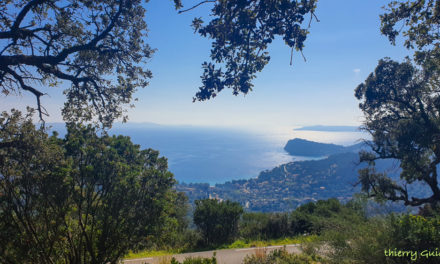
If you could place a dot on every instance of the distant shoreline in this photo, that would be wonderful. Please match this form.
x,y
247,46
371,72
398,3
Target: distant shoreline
x,y
329,128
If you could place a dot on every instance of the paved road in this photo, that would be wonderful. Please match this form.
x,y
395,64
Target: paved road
x,y
224,256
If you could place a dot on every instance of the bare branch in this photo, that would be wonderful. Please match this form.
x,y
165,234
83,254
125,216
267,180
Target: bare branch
x,y
26,87
197,5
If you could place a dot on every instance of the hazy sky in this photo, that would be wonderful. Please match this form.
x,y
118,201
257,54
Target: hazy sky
x,y
341,50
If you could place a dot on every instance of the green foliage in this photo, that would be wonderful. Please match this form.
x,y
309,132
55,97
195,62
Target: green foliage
x,y
241,33
418,21
217,221
415,232
302,147
79,42
420,18
356,243
173,232
248,243
281,257
281,189
314,217
85,42
252,224
367,242
264,226
310,218
32,192
401,103
81,199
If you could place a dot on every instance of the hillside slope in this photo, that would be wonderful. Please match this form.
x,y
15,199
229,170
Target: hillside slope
x,y
287,186
302,147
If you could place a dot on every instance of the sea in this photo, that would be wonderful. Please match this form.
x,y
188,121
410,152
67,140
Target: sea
x,y
216,155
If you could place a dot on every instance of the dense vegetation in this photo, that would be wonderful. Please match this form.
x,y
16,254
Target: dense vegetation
x,y
216,220
82,199
342,233
281,256
90,197
289,185
401,105
310,218
302,147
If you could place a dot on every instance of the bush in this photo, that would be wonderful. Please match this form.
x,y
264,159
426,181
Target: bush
x,y
265,226
309,218
367,243
252,224
324,214
217,221
281,257
82,199
196,260
362,243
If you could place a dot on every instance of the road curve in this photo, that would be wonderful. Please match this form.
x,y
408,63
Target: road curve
x,y
224,256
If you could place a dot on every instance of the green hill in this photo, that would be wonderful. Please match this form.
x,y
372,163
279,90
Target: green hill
x,y
287,186
302,147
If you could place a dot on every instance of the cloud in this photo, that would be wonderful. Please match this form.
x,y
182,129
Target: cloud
x,y
357,71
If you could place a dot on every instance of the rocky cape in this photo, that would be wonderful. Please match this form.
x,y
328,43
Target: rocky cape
x,y
289,185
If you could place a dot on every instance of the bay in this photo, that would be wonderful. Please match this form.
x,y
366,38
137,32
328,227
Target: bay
x,y
216,155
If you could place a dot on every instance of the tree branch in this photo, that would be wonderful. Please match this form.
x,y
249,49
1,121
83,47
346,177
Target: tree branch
x,y
197,5
23,13
26,87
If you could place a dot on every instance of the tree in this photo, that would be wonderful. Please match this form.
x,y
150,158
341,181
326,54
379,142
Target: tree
x,y
99,48
420,22
401,104
30,210
217,221
81,199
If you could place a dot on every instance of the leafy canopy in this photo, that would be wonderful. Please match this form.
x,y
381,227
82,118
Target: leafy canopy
x,y
401,104
81,199
242,31
99,48
419,23
96,46
420,18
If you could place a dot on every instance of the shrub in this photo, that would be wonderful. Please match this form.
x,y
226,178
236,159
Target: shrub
x,y
264,226
217,221
367,243
281,257
324,214
82,199
196,260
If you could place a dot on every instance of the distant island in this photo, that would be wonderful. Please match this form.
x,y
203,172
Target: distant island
x,y
330,128
302,147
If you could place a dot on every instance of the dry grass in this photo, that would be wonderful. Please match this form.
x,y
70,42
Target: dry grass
x,y
163,260
260,253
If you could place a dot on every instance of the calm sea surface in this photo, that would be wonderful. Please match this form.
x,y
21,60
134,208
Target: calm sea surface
x,y
217,155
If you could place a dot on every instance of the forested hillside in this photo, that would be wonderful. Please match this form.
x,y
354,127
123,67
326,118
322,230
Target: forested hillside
x,y
285,187
302,147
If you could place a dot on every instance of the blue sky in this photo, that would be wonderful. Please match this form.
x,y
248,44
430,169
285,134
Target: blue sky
x,y
341,50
